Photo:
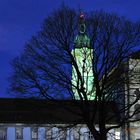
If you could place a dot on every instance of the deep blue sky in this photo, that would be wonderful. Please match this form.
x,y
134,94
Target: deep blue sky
x,y
20,19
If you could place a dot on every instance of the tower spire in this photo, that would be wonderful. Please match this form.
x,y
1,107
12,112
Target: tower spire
x,y
81,40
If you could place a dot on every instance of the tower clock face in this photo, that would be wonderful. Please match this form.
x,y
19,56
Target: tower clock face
x,y
82,28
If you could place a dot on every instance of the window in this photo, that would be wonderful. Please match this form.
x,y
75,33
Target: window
x,y
41,133
117,135
55,133
84,134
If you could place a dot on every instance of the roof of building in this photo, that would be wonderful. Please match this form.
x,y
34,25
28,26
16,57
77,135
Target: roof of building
x,y
136,55
43,111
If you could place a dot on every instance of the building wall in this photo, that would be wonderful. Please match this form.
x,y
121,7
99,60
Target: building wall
x,y
50,132
131,89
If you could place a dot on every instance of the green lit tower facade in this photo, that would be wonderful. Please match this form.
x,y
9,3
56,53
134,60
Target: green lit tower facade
x,y
83,55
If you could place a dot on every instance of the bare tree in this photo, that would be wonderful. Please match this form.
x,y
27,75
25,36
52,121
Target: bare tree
x,y
44,69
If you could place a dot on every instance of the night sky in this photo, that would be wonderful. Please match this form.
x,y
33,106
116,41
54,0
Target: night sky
x,y
20,19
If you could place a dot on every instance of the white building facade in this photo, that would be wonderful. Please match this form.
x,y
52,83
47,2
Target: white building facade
x,y
50,132
132,94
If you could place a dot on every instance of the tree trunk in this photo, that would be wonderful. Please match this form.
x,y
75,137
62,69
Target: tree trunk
x,y
102,136
98,135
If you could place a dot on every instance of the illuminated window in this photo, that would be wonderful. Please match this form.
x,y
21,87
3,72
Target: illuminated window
x,y
84,133
19,133
117,135
55,133
41,133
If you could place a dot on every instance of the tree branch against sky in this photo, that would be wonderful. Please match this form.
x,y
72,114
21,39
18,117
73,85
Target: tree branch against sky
x,y
44,69
20,20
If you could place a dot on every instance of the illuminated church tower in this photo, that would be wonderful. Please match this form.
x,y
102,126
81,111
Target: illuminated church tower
x,y
83,55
